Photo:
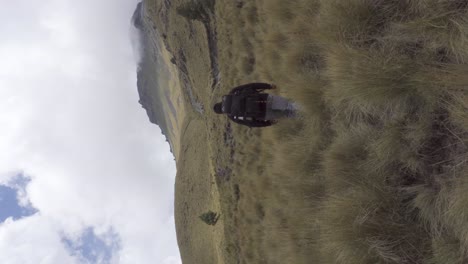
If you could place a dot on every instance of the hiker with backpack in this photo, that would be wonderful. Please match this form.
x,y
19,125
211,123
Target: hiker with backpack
x,y
249,105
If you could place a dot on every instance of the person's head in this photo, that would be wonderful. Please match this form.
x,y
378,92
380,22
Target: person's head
x,y
218,108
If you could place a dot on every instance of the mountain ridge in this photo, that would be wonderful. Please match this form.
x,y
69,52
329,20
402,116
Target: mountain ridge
x,y
149,91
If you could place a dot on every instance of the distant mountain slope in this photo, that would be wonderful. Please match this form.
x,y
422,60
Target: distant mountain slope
x,y
147,78
187,60
156,90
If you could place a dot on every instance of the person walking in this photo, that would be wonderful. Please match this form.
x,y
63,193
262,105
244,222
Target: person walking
x,y
249,105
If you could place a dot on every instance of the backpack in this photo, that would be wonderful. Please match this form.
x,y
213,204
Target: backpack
x,y
253,105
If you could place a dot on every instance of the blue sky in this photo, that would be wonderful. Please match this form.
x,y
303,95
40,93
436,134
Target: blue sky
x,y
88,247
9,202
98,176
93,248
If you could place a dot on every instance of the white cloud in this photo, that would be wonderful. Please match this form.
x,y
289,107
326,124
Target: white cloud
x,y
71,121
172,260
31,240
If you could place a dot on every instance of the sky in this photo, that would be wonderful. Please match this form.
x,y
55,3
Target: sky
x,y
84,176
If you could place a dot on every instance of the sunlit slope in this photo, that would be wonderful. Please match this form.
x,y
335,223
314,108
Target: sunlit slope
x,y
187,58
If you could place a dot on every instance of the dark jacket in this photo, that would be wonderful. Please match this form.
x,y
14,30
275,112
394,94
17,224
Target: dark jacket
x,y
246,105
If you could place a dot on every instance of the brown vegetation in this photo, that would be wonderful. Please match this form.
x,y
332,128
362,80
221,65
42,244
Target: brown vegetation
x,y
374,170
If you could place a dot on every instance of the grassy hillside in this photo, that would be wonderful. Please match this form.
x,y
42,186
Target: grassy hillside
x,y
374,171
